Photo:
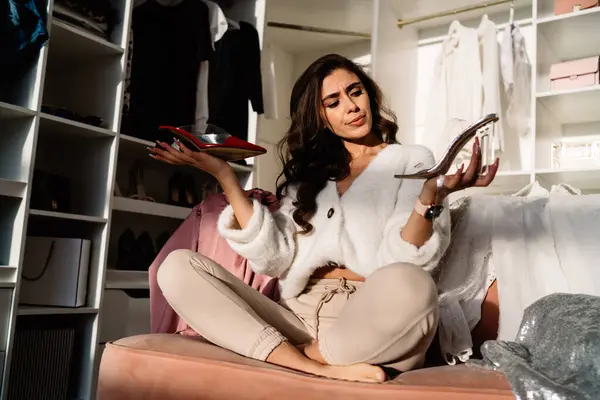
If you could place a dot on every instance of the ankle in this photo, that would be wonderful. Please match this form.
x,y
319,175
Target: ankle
x,y
312,351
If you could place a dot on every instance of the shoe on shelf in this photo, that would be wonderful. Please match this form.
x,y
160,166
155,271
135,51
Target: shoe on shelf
x,y
176,192
215,141
161,240
117,190
136,187
143,252
191,197
126,245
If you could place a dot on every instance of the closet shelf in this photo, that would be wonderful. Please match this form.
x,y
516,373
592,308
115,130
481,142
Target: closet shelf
x,y
63,126
513,173
505,183
510,179
77,43
572,106
135,141
149,208
132,144
241,168
587,179
573,35
39,310
11,188
61,215
122,280
297,42
9,111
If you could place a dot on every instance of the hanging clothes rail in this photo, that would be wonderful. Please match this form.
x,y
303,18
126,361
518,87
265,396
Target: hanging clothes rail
x,y
318,30
404,22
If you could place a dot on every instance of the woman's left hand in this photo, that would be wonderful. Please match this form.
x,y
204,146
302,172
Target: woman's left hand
x,y
461,179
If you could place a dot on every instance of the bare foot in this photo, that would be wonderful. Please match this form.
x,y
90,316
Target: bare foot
x,y
356,372
312,351
289,356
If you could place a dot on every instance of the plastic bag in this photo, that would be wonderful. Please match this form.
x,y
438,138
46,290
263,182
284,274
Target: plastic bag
x,y
556,355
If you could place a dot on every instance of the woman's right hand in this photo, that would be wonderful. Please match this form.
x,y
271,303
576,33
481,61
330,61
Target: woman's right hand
x,y
213,165
220,169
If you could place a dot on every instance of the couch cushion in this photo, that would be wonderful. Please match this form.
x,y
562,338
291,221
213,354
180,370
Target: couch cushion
x,y
163,366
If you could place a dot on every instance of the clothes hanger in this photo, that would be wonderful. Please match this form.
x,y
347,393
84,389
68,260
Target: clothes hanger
x,y
511,18
233,24
454,27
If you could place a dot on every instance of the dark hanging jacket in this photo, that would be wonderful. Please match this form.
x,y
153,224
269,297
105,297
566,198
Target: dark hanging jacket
x,y
169,43
235,78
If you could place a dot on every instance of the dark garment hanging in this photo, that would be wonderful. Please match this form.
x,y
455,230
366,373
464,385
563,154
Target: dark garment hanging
x,y
235,78
170,42
23,32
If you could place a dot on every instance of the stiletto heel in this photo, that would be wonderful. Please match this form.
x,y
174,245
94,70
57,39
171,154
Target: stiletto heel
x,y
189,187
442,167
136,185
176,192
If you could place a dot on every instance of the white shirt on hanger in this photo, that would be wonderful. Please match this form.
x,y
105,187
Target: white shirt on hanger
x,y
516,74
456,92
466,85
490,68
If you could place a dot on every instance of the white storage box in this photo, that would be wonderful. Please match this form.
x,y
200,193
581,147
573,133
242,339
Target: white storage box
x,y
55,272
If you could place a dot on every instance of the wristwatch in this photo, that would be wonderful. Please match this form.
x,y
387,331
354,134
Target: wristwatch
x,y
429,212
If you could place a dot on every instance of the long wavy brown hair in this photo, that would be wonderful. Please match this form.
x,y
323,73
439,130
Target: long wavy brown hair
x,y
311,153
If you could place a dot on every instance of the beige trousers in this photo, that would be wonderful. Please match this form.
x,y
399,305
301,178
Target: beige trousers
x,y
390,319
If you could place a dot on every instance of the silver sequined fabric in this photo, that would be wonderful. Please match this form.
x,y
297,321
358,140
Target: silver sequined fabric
x,y
556,355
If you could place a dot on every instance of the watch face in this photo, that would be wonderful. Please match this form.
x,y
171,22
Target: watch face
x,y
433,212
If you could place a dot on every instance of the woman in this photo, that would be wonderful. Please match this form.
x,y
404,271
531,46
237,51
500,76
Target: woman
x,y
351,245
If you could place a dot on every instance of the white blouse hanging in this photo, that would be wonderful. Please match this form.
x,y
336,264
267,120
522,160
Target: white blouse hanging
x,y
466,84
456,87
490,68
516,74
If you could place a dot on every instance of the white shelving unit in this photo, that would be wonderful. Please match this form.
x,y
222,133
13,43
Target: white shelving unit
x,y
556,115
84,74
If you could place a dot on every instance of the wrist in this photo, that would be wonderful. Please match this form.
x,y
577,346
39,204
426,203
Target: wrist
x,y
225,176
429,210
427,197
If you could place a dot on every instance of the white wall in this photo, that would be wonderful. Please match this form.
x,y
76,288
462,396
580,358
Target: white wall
x,y
357,51
395,66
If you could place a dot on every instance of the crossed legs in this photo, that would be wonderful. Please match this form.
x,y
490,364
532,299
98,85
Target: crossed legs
x,y
391,319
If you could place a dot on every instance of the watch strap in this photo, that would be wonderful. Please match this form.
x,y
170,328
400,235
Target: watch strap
x,y
421,208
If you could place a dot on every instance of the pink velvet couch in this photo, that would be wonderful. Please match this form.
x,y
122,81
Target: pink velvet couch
x,y
167,366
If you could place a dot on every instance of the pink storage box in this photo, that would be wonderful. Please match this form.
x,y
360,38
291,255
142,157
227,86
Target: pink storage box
x,y
567,6
575,74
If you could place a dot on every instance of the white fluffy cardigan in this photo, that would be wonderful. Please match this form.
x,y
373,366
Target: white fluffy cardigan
x,y
360,229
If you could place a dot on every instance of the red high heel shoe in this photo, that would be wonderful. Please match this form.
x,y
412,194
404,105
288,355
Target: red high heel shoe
x,y
215,141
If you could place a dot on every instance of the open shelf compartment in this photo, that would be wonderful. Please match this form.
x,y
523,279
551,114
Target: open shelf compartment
x,y
44,226
17,133
72,173
52,356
